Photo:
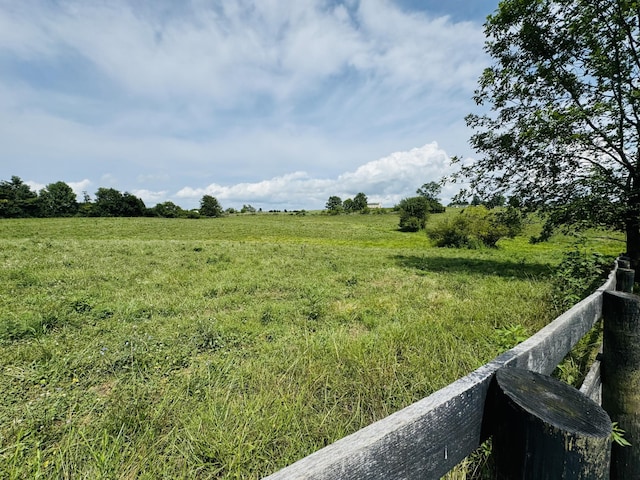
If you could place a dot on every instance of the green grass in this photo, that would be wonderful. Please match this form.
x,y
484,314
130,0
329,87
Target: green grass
x,y
229,348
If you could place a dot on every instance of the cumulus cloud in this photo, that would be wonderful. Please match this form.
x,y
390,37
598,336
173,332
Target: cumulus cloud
x,y
149,96
80,187
386,180
149,197
225,53
34,186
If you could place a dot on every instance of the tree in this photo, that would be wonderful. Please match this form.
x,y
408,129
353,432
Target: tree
x,y
360,202
167,210
111,203
108,202
348,205
57,200
563,125
247,209
496,200
86,207
17,199
334,205
210,207
413,213
132,206
430,191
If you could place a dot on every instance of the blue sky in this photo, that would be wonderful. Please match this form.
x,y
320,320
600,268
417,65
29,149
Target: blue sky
x,y
274,103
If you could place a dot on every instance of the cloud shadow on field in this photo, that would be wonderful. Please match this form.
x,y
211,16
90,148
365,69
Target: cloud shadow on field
x,y
474,266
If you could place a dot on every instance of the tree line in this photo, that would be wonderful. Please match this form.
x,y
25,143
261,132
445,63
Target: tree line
x,y
58,199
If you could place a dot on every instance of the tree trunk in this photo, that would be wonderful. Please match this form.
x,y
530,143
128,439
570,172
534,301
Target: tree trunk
x,y
632,228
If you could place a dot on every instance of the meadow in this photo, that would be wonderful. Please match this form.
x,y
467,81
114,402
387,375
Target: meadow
x,y
231,347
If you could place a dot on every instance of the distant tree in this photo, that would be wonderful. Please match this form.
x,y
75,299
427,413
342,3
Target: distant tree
x,y
430,191
247,209
108,202
334,205
57,200
515,201
360,202
132,206
86,207
348,205
111,203
167,210
413,213
210,207
17,199
496,200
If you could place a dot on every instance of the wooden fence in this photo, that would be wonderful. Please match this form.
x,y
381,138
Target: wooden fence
x,y
430,437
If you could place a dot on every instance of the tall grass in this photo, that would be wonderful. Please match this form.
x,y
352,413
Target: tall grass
x,y
229,348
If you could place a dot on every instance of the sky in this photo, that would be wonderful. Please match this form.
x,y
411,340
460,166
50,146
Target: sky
x,y
278,104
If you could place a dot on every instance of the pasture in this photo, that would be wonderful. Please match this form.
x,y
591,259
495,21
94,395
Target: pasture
x,y
229,348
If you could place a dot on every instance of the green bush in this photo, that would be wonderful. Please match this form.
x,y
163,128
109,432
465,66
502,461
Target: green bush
x,y
475,227
510,218
410,224
413,213
577,276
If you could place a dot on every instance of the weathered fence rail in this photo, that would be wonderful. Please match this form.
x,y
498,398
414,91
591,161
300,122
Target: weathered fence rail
x,y
430,437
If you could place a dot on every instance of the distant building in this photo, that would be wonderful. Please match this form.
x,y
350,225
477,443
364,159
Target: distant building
x,y
374,205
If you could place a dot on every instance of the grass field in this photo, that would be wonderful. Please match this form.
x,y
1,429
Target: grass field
x,y
229,348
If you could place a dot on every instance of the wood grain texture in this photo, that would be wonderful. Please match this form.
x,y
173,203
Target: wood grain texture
x,y
625,278
428,438
547,429
592,384
621,378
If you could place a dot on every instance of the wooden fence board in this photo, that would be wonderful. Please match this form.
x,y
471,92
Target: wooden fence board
x,y
592,384
428,438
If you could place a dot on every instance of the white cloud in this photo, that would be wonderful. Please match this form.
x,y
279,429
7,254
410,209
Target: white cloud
x,y
34,186
149,197
149,96
387,180
80,187
225,54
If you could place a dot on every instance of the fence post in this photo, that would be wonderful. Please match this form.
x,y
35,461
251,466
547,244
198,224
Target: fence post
x,y
545,428
625,277
621,378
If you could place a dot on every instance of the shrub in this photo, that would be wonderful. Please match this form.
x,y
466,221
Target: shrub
x,y
511,218
413,213
577,276
410,224
475,227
